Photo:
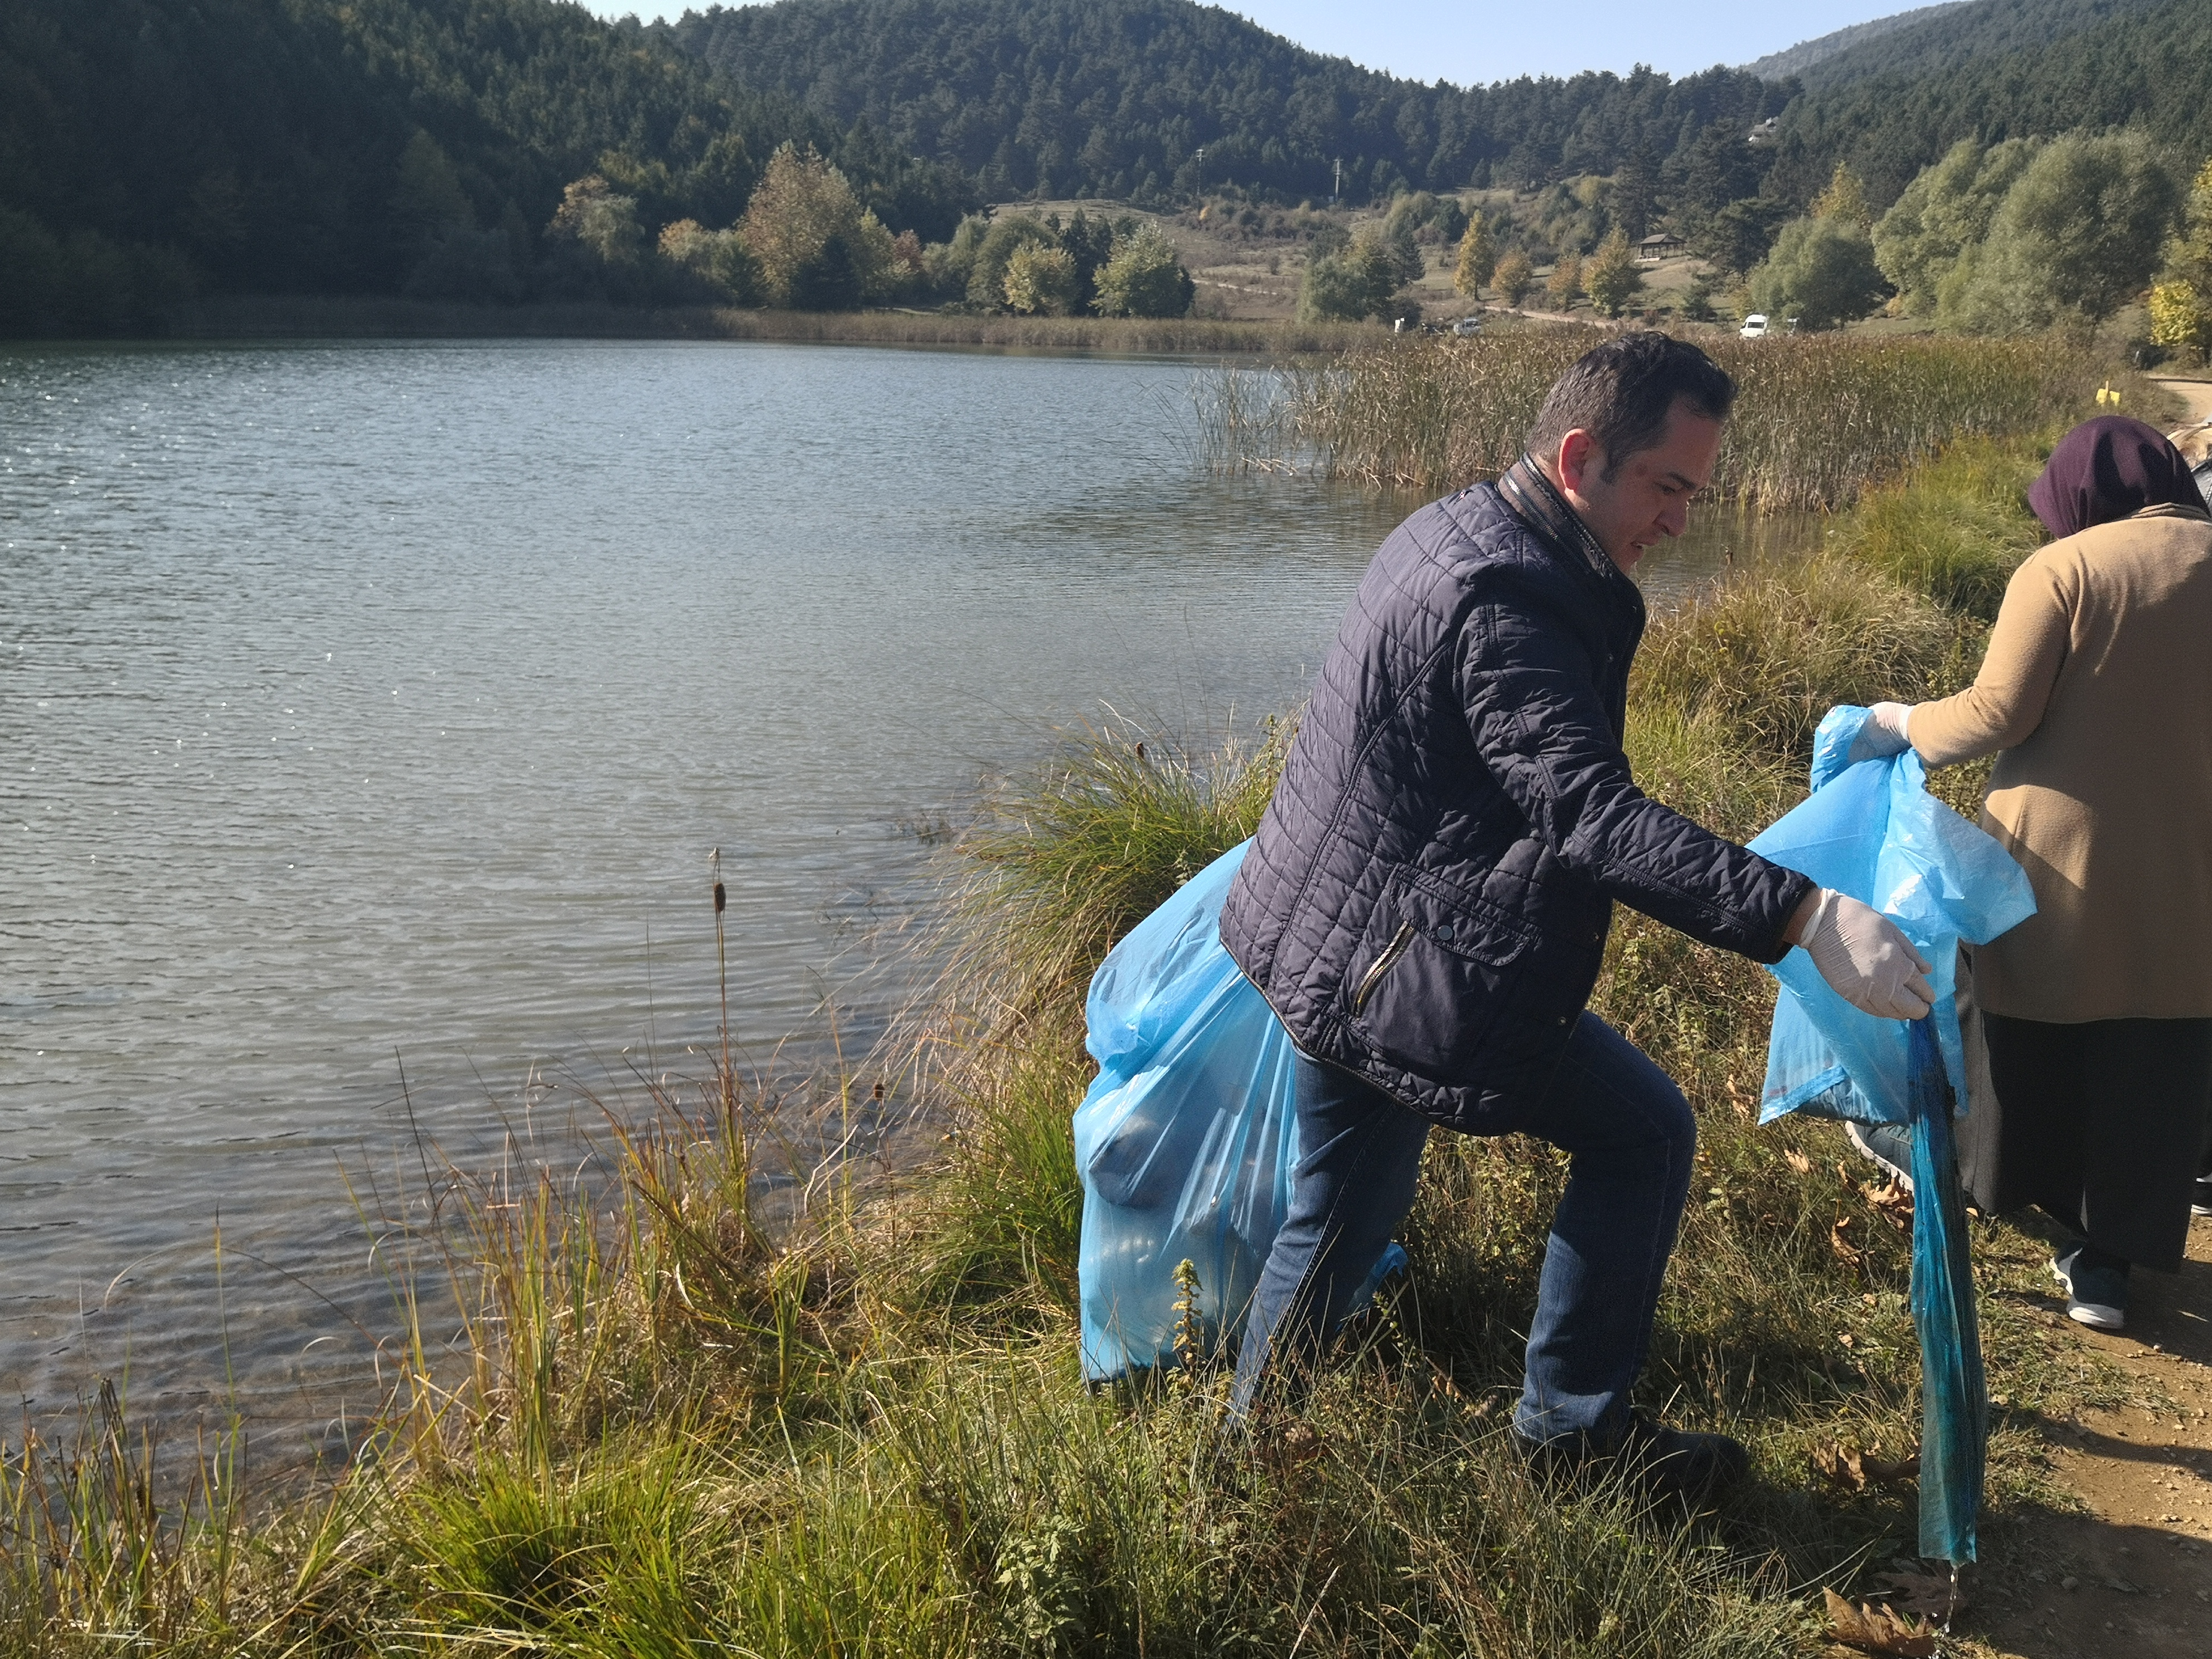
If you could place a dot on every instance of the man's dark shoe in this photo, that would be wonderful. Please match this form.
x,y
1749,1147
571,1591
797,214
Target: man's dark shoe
x,y
1664,1464
2096,1292
2201,1203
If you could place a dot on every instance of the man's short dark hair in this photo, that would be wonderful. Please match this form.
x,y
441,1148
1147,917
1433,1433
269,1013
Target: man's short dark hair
x,y
1620,392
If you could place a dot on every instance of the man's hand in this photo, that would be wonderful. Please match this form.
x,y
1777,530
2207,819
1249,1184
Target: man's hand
x,y
1884,733
1864,956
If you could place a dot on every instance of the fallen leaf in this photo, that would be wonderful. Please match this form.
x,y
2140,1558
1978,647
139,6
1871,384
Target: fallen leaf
x,y
1841,1466
1846,1252
1870,1629
1891,1202
1928,1595
1798,1162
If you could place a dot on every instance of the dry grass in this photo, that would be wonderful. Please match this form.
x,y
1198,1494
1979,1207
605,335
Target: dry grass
x,y
1821,417
344,317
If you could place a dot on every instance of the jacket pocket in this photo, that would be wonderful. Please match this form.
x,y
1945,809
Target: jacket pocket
x,y
1435,967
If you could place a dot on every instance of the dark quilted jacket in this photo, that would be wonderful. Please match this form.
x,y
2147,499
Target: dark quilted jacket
x,y
1426,901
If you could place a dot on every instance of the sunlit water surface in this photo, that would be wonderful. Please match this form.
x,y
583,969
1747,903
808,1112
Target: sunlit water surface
x,y
367,714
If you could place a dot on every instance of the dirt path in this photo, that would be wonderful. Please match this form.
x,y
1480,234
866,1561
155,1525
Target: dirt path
x,y
2132,1577
2196,397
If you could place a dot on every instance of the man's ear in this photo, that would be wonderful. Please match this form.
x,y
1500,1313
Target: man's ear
x,y
1576,453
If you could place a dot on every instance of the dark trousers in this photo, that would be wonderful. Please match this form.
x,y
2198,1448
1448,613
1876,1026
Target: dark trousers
x,y
2100,1125
1631,1137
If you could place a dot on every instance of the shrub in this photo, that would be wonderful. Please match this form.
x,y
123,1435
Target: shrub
x,y
1144,278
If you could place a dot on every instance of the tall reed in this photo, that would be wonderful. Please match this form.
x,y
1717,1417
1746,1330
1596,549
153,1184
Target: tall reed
x,y
1820,417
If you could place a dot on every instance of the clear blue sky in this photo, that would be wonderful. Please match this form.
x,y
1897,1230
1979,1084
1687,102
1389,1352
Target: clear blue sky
x,y
1485,41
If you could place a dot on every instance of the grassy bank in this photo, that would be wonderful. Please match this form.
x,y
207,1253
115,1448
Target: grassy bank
x,y
671,1429
383,318
1821,417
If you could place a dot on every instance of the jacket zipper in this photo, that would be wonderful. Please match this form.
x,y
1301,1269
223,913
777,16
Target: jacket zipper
x,y
1391,952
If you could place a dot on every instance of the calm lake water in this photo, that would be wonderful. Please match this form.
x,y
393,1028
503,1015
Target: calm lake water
x,y
367,714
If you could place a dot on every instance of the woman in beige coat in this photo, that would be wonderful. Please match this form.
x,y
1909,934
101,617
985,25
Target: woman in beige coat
x,y
2096,697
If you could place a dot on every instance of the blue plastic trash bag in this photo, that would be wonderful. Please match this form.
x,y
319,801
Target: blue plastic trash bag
x,y
1874,832
1185,1140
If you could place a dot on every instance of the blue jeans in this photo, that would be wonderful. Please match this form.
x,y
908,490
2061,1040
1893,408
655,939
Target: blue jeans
x,y
1631,1137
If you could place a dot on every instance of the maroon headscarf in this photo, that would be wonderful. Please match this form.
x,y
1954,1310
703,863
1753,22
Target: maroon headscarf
x,y
2107,468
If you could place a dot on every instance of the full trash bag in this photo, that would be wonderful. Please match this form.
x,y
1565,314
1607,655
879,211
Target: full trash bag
x,y
1873,831
1187,1139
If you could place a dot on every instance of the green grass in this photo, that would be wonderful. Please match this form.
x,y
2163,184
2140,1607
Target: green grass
x,y
678,1430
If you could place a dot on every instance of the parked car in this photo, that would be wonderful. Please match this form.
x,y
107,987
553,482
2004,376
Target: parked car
x,y
1754,327
1467,325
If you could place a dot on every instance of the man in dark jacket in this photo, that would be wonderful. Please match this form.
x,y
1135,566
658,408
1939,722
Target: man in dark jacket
x,y
1426,901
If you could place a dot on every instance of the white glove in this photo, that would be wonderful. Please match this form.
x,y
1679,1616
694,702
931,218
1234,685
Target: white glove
x,y
1865,959
1884,733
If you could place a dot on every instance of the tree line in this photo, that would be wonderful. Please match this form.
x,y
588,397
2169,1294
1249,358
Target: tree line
x,y
154,148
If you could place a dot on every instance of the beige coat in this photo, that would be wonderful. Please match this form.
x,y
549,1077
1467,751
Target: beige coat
x,y
2098,689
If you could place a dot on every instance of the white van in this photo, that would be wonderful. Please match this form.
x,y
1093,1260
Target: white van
x,y
1754,327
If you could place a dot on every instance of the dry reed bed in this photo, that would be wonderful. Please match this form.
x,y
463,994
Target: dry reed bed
x,y
1820,417
383,318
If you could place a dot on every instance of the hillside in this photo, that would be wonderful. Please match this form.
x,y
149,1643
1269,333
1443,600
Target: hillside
x,y
1937,40
2146,62
1799,59
153,147
1140,99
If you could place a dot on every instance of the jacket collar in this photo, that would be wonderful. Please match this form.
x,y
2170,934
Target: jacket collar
x,y
1544,510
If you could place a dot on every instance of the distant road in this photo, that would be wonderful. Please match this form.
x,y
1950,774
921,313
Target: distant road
x,y
2196,395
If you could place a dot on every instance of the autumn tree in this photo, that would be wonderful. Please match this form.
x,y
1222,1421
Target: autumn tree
x,y
818,249
1040,281
1512,276
1478,258
595,216
1565,282
1144,278
1612,277
2181,300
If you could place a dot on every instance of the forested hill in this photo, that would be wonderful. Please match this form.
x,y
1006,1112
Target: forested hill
x,y
2144,62
1798,60
317,146
1937,40
1138,99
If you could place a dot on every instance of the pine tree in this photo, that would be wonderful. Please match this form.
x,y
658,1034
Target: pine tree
x,y
1478,259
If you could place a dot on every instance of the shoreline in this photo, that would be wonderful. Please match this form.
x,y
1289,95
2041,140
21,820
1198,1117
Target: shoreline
x,y
377,317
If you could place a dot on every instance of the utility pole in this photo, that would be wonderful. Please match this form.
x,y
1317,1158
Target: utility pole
x,y
1338,189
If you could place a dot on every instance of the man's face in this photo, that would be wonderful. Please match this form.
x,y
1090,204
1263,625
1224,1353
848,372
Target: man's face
x,y
1649,497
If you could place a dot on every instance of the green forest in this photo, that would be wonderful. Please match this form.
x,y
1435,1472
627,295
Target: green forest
x,y
513,151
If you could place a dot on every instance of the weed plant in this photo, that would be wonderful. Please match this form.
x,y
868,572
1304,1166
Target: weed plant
x,y
1821,418
669,1427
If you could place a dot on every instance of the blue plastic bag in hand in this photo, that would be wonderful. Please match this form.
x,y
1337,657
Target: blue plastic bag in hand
x,y
1187,1137
1873,831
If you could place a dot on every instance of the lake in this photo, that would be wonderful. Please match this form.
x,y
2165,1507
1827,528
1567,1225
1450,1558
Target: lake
x,y
368,712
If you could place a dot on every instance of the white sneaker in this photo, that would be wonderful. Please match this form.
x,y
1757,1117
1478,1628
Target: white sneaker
x,y
2095,1297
